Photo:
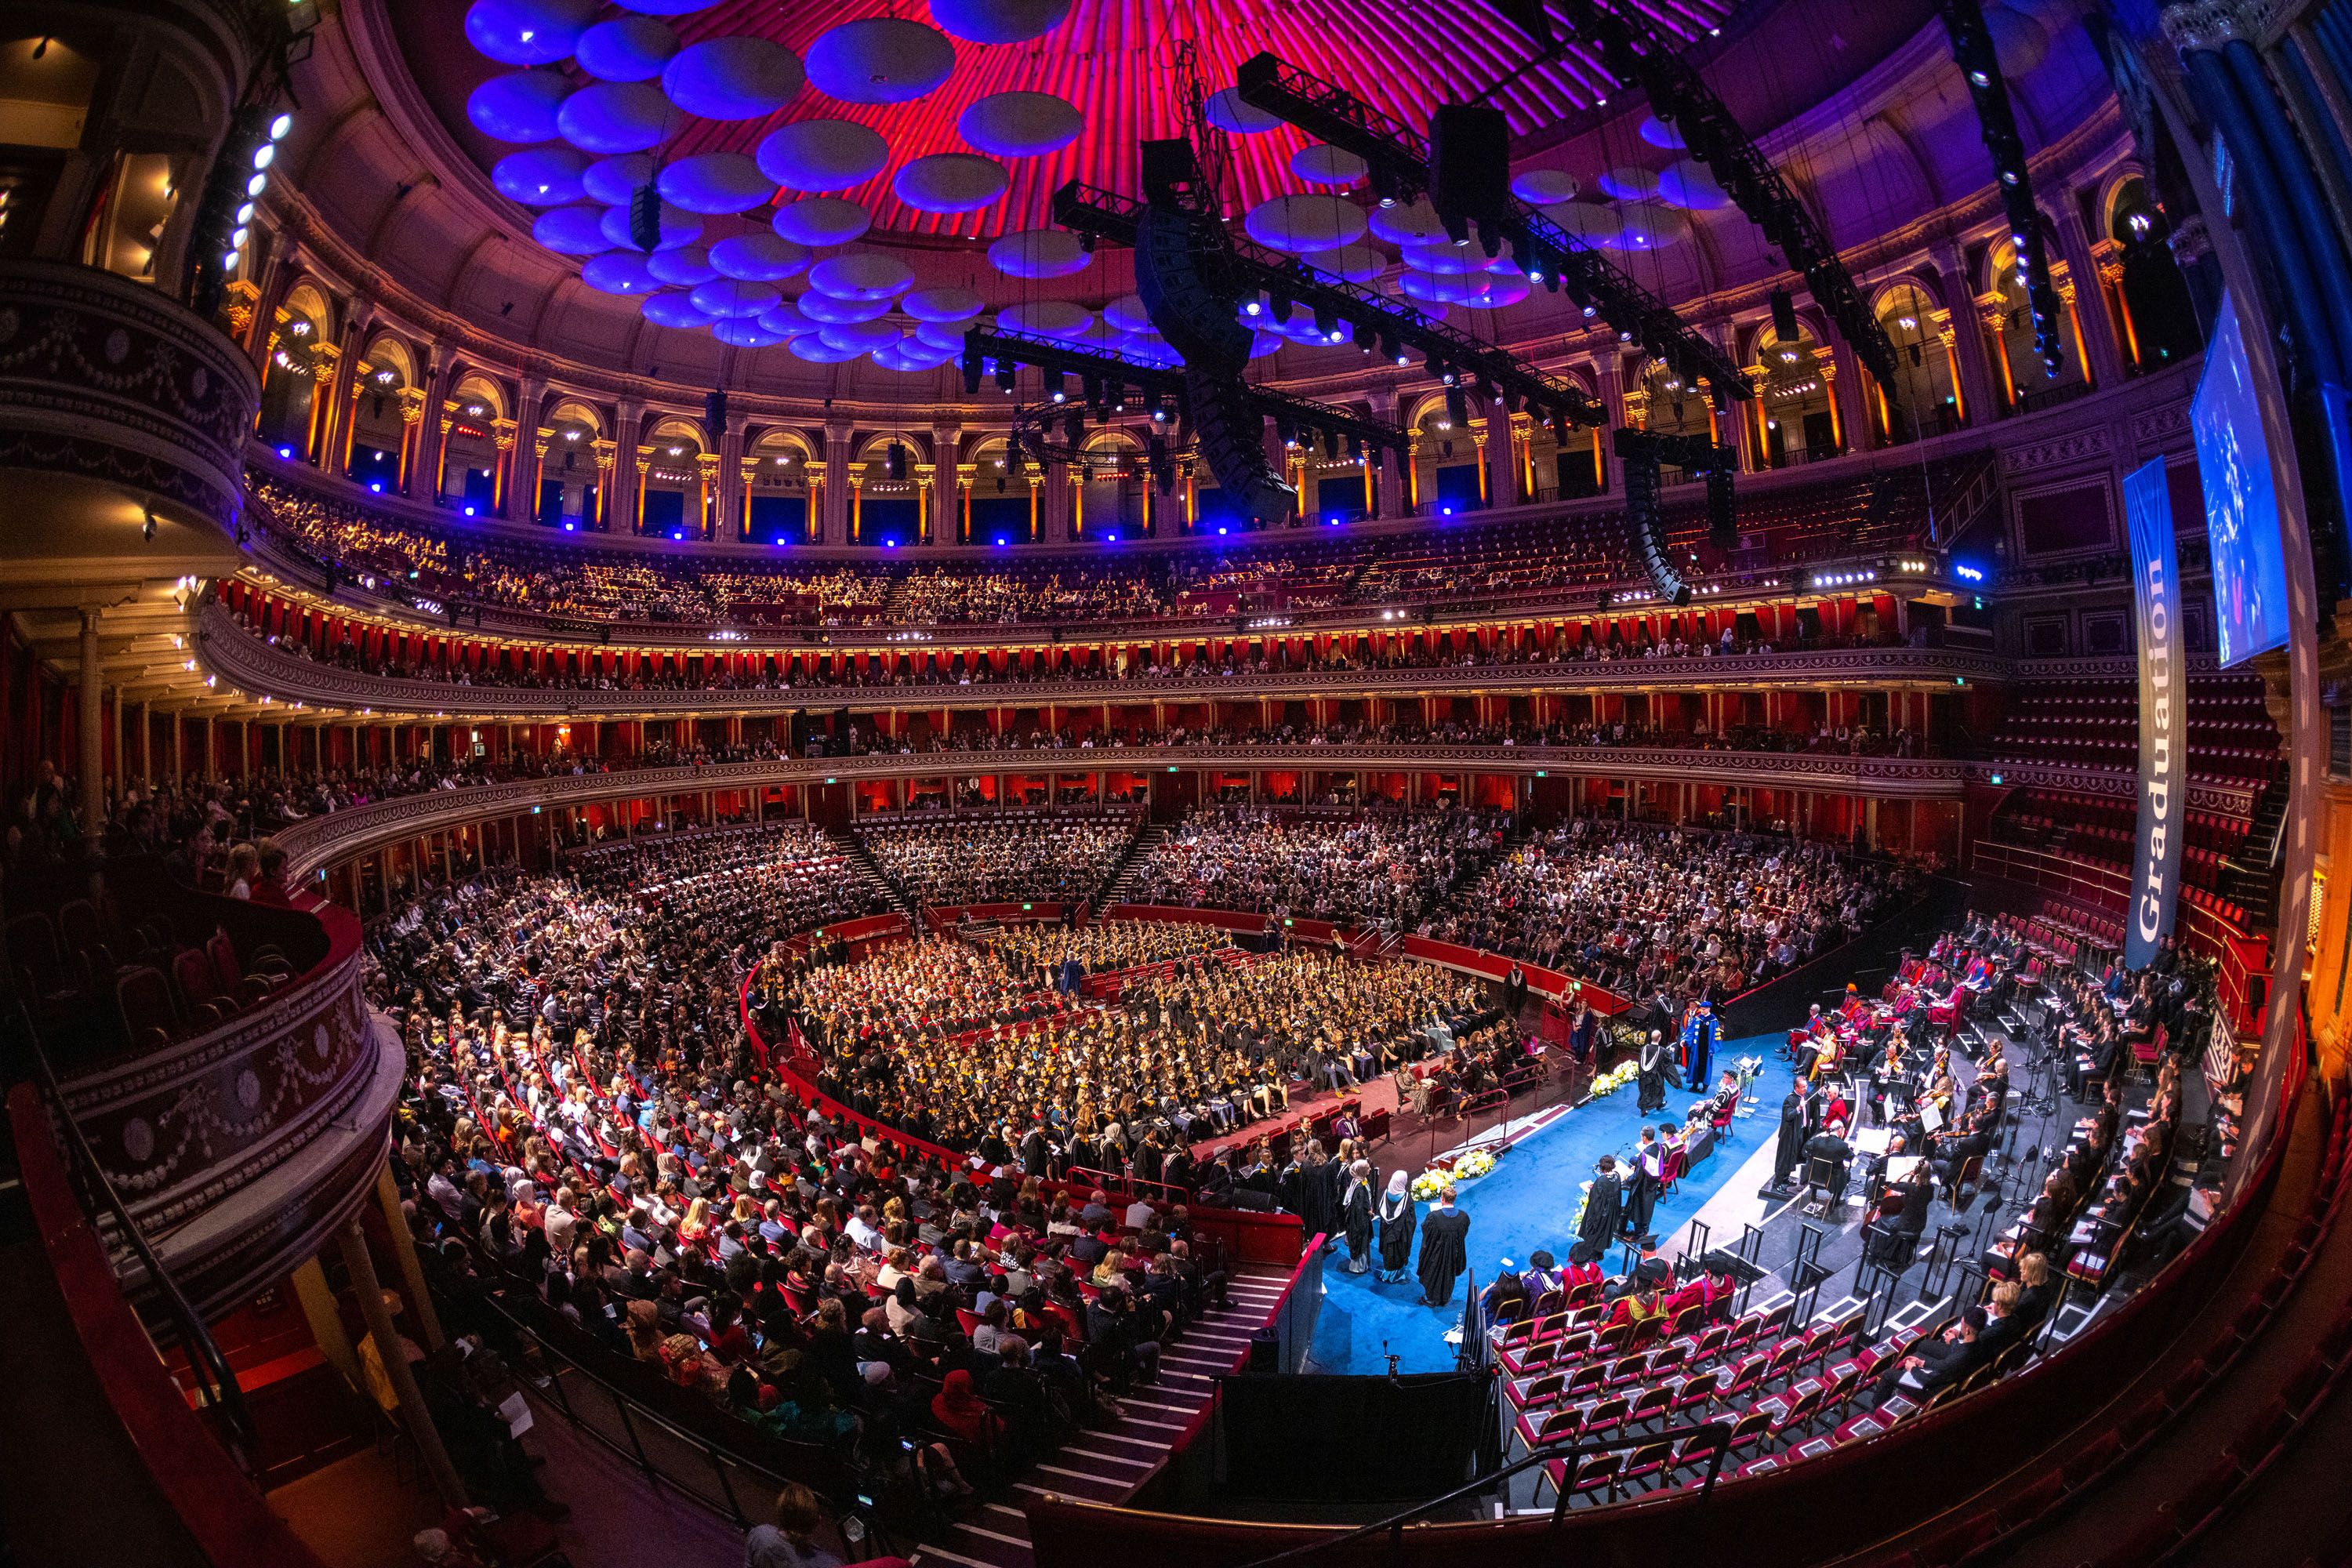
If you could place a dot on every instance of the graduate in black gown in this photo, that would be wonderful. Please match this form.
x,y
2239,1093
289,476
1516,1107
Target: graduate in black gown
x,y
1794,1108
1444,1251
1356,1213
1398,1218
1641,1194
1654,1067
1605,1208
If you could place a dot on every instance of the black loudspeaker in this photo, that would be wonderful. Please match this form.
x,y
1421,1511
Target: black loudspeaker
x,y
1265,1350
714,414
644,217
1637,458
1784,317
895,462
1722,518
1469,165
1231,435
1198,322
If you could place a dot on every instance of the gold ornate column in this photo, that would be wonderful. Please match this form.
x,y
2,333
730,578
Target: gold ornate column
x,y
502,470
411,429
706,476
605,452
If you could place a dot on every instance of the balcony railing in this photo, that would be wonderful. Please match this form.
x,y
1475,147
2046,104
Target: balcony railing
x,y
246,663
104,378
239,1148
327,840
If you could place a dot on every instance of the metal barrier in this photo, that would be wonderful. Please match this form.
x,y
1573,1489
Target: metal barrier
x,y
669,1455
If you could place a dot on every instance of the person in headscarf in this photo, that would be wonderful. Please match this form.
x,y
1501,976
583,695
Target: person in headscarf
x,y
1356,1211
1398,1218
960,1410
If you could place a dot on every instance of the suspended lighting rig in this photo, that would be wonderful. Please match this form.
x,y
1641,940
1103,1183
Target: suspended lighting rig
x,y
1680,96
1397,160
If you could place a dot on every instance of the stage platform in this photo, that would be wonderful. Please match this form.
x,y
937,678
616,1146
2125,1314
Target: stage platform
x,y
1530,1201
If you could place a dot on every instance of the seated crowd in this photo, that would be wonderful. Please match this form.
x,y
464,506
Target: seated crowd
x,y
1379,867
480,565
1643,912
1060,860
949,1042
1064,957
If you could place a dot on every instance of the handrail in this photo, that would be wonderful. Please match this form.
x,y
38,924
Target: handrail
x,y
1542,1452
721,1455
217,1391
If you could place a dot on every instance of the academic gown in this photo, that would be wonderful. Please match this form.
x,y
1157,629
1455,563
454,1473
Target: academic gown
x,y
1791,1146
1654,1070
1396,1236
1445,1254
1699,1051
1604,1211
1641,1201
1358,1210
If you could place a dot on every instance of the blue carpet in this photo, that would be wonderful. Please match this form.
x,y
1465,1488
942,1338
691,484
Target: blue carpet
x,y
1531,1202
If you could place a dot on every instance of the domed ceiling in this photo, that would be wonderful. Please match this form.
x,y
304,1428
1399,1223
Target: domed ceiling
x,y
776,135
960,117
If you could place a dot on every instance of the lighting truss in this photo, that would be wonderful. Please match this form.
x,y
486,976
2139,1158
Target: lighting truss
x,y
1973,52
1397,158
1681,97
985,347
1107,216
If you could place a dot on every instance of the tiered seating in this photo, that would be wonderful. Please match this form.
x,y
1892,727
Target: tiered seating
x,y
2095,722
1452,558
1568,1379
156,987
2102,828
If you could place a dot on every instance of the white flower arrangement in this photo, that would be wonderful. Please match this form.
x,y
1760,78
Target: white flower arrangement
x,y
1471,1165
1611,1081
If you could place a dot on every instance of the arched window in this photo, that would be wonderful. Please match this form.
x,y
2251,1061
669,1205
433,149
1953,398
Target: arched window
x,y
1925,399
386,411
2030,383
472,474
571,481
1671,407
1002,508
776,471
2146,292
291,400
1795,412
674,499
887,504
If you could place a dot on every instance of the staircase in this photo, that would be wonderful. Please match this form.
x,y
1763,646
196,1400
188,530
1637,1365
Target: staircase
x,y
853,850
894,607
1125,870
1104,1464
2249,875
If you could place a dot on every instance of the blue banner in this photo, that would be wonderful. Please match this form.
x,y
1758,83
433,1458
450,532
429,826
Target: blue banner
x,y
2163,715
